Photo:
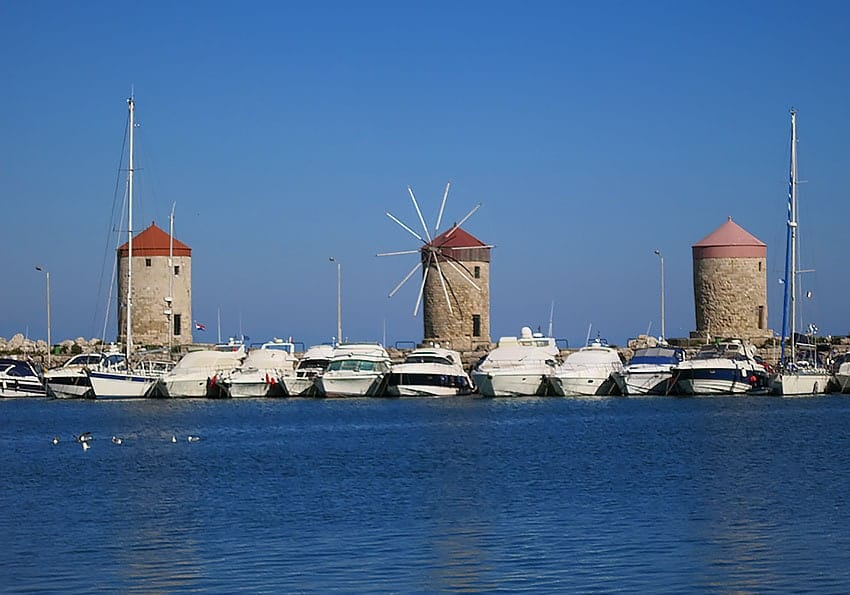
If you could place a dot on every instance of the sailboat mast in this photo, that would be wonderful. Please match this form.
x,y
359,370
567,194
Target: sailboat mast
x,y
792,248
171,278
129,334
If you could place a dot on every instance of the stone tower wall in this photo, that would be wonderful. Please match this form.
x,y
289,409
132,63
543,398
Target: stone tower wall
x,y
455,329
730,297
150,287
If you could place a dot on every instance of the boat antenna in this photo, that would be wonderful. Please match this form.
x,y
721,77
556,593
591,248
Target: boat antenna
x,y
170,298
587,339
551,316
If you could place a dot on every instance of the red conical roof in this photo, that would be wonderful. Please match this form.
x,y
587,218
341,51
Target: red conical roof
x,y
730,240
154,242
458,239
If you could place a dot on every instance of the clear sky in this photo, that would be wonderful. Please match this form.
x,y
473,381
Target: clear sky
x,y
592,133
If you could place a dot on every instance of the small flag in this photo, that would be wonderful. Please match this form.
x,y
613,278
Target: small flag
x,y
199,326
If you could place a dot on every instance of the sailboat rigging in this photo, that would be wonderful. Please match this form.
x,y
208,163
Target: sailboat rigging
x,y
794,378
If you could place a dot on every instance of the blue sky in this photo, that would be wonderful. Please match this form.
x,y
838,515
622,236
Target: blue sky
x,y
592,133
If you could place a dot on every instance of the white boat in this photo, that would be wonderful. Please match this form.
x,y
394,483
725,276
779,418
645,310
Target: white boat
x,y
429,372
728,367
841,373
314,362
587,372
795,378
517,366
70,381
260,372
649,372
195,375
19,378
356,369
136,379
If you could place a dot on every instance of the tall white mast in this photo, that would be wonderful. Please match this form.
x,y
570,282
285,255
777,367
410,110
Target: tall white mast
x,y
129,335
170,298
792,224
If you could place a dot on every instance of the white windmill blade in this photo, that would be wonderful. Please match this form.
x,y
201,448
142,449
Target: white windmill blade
x,y
406,277
462,221
464,275
422,287
419,212
443,282
416,235
397,253
442,206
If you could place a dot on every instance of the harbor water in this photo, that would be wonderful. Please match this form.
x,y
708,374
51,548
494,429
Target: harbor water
x,y
743,494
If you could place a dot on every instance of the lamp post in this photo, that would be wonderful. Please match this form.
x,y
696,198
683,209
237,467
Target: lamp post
x,y
338,299
49,344
661,256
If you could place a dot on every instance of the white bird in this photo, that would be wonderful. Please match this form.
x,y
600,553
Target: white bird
x,y
86,446
173,438
55,440
193,438
84,437
117,440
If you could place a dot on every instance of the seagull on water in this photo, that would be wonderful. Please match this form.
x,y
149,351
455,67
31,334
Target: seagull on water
x,y
55,440
84,437
173,438
117,440
193,438
86,446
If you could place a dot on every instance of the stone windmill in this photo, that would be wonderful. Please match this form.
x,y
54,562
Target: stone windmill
x,y
455,286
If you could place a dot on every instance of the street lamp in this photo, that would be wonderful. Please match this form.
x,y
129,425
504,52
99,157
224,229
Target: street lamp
x,y
661,256
49,344
338,299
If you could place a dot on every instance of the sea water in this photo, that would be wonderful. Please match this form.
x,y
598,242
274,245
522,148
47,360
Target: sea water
x,y
423,495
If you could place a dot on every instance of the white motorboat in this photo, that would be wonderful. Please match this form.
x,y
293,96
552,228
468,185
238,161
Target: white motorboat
x,y
649,372
517,366
196,374
356,369
19,378
841,373
727,367
70,381
260,373
587,372
793,377
429,372
312,364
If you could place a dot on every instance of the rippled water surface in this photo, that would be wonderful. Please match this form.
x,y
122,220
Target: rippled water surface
x,y
423,495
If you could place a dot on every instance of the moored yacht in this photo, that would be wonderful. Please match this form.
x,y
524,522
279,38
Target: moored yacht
x,y
517,366
259,375
649,371
195,375
724,368
314,362
429,372
356,369
587,372
70,381
841,373
19,378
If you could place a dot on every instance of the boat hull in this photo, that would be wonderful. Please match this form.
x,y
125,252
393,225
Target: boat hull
x,y
719,381
22,387
255,389
582,386
189,388
69,387
800,384
298,386
119,386
349,385
644,383
494,384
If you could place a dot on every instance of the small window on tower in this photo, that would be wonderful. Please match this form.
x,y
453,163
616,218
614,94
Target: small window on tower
x,y
759,266
476,324
176,269
477,272
176,324
147,262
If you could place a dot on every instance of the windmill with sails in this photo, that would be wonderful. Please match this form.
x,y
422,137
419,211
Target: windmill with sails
x,y
454,291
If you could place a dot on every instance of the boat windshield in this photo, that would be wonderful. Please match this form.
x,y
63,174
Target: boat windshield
x,y
357,365
427,359
313,363
657,355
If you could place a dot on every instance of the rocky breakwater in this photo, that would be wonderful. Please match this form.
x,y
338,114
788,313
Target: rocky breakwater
x,y
19,345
